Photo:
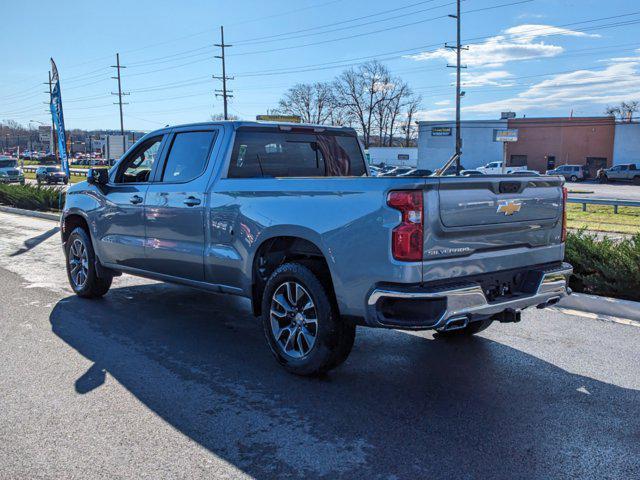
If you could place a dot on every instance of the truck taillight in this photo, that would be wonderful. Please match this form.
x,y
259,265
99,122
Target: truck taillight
x,y
406,242
564,214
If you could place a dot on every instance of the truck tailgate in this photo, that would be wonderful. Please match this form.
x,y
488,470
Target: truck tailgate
x,y
470,214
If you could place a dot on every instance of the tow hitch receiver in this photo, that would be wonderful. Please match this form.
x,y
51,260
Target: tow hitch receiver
x,y
508,316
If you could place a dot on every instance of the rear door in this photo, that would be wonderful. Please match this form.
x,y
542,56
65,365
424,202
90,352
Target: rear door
x,y
175,204
464,215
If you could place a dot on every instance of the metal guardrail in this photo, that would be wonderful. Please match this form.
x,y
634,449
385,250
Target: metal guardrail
x,y
604,201
81,172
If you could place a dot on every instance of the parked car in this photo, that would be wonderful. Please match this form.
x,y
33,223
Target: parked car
x,y
495,168
531,173
9,171
628,172
286,217
471,173
416,172
395,171
50,175
572,173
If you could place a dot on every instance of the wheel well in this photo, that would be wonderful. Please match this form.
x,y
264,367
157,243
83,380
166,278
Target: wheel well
x,y
71,222
279,250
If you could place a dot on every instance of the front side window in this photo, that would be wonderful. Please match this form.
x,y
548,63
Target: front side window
x,y
272,153
188,156
137,167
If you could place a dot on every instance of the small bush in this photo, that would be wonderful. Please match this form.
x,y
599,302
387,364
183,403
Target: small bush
x,y
604,266
32,197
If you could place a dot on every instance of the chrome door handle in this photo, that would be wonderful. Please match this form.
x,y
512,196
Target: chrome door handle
x,y
192,201
136,199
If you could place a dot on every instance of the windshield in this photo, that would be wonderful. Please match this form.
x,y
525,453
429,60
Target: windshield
x,y
8,163
52,169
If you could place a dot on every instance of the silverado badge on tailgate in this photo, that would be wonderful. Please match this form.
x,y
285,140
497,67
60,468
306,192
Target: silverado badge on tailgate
x,y
509,207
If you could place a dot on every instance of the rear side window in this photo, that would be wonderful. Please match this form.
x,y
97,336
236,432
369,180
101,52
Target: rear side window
x,y
188,156
266,153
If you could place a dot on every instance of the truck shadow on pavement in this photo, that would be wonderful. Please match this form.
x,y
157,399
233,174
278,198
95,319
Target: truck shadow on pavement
x,y
402,406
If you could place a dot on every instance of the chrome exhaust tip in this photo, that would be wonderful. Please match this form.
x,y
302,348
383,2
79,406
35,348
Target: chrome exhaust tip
x,y
455,323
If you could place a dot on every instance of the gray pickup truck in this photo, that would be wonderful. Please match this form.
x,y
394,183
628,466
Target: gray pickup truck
x,y
288,216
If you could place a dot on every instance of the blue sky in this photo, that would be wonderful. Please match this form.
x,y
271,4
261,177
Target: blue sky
x,y
539,57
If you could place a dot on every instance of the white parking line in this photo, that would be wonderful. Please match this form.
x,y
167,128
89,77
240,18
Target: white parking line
x,y
595,316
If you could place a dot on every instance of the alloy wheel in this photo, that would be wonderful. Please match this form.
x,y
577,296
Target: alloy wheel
x,y
78,263
294,320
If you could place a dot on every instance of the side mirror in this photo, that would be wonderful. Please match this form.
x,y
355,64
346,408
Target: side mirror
x,y
98,176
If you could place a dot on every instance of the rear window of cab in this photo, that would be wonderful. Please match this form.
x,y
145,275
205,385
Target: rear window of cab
x,y
264,153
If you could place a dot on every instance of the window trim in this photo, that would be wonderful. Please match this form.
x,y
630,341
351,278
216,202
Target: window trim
x,y
268,129
172,136
138,148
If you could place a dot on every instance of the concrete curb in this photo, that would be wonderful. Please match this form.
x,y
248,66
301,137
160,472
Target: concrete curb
x,y
611,307
31,213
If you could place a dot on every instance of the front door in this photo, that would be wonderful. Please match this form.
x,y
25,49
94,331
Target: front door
x,y
120,223
175,205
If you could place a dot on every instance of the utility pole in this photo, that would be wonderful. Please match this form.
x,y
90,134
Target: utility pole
x,y
53,127
120,93
224,93
459,93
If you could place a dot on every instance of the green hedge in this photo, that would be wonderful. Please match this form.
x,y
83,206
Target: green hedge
x,y
32,197
604,266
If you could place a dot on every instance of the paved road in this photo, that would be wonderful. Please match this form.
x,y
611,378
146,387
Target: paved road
x,y
619,191
156,381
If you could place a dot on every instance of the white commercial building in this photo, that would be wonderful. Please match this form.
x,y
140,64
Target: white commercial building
x,y
405,156
437,143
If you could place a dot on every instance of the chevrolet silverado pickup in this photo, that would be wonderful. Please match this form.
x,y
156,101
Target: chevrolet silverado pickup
x,y
288,216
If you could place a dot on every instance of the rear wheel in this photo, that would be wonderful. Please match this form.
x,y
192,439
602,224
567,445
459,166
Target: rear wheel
x,y
81,266
471,329
636,180
573,178
301,322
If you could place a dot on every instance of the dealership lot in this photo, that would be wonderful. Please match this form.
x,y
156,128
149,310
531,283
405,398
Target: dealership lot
x,y
159,381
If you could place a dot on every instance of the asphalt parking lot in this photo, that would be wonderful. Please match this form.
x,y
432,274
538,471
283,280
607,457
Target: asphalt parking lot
x,y
157,381
618,190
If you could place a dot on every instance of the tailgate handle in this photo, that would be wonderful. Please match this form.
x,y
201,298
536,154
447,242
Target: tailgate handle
x,y
509,187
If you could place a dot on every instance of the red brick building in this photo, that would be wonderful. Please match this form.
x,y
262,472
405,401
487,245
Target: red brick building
x,y
545,143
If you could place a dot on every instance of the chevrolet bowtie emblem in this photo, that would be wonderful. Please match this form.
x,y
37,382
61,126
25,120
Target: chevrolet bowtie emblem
x,y
509,207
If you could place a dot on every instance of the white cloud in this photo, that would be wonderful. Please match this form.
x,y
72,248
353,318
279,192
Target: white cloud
x,y
529,32
494,78
442,103
615,83
516,43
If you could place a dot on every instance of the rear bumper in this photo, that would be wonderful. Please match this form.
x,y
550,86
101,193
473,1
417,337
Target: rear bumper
x,y
422,308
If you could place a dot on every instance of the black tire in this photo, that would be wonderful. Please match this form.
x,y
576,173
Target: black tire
x,y
92,286
39,182
573,178
471,329
636,180
66,180
334,337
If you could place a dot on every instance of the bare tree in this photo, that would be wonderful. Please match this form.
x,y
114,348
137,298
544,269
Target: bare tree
x,y
313,103
216,117
624,111
411,109
359,91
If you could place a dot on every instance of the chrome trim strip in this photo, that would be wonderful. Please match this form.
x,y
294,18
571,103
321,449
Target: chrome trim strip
x,y
472,300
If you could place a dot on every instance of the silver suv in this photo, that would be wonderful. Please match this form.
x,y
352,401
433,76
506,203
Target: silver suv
x,y
572,173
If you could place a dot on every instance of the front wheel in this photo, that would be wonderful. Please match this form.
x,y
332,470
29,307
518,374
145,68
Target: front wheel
x,y
81,266
573,178
301,322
